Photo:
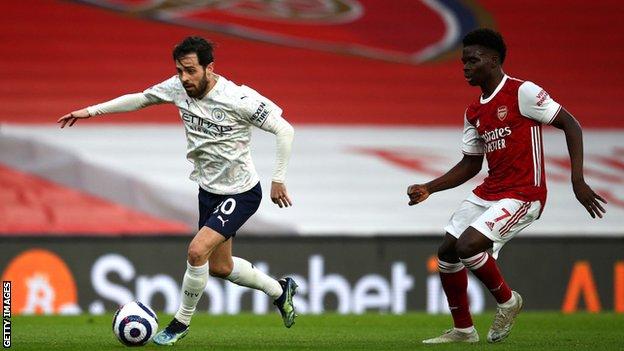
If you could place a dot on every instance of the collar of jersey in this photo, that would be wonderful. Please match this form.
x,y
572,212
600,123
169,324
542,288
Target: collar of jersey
x,y
498,88
217,86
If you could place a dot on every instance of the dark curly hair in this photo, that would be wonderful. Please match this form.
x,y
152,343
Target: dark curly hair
x,y
197,45
487,38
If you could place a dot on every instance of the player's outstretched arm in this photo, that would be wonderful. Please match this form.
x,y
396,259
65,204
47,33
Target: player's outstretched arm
x,y
466,169
574,139
125,103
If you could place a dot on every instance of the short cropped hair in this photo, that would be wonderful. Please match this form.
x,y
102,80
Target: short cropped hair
x,y
197,45
487,38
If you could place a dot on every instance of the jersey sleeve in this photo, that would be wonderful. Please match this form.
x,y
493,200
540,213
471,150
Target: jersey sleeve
x,y
535,103
472,144
125,103
165,91
256,109
284,133
266,115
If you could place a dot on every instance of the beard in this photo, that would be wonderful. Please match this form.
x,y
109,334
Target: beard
x,y
199,90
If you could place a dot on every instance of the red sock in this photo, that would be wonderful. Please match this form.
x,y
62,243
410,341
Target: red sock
x,y
484,267
454,278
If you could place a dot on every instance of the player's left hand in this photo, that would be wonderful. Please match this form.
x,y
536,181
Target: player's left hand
x,y
279,195
588,198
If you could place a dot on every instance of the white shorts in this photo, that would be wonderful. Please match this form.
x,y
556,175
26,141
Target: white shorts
x,y
498,220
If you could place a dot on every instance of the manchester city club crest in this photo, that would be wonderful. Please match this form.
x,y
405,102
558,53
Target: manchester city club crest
x,y
218,115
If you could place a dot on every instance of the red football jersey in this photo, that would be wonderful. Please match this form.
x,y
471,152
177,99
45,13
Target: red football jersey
x,y
507,128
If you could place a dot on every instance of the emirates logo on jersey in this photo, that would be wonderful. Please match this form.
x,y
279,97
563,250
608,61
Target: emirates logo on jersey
x,y
501,112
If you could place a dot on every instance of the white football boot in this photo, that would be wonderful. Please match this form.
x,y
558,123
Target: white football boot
x,y
454,335
504,320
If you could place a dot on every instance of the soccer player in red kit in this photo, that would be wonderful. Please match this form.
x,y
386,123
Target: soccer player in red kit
x,y
505,125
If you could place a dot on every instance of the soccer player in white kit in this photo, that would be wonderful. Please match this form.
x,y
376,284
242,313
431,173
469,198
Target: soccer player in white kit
x,y
218,116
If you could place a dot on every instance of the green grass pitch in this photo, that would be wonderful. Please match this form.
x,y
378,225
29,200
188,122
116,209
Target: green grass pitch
x,y
533,331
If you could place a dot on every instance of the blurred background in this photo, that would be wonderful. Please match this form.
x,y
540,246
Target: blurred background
x,y
97,215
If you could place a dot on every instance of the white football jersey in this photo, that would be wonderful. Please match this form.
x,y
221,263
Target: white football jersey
x,y
218,131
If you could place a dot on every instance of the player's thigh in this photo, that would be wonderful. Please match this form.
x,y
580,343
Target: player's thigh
x,y
504,219
233,211
207,205
472,242
203,244
463,216
220,262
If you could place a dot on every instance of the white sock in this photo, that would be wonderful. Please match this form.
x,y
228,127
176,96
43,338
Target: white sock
x,y
508,303
468,330
245,274
193,285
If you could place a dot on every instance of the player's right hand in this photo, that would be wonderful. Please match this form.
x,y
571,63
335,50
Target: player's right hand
x,y
417,193
72,117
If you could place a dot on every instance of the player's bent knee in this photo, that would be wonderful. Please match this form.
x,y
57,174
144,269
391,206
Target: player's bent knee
x,y
446,251
196,255
221,271
447,254
466,248
221,268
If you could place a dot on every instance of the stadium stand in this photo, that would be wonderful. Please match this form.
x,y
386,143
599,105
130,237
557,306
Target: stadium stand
x,y
31,205
60,55
71,54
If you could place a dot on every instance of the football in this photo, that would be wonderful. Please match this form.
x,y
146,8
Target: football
x,y
135,324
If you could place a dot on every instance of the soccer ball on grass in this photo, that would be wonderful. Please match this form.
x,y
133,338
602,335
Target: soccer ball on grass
x,y
135,324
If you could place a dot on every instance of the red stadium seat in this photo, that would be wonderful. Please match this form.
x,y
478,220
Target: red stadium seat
x,y
31,205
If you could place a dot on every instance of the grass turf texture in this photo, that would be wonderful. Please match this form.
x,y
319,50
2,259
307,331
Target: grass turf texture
x,y
533,331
